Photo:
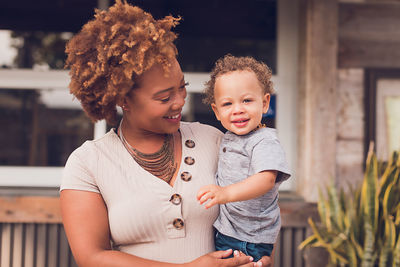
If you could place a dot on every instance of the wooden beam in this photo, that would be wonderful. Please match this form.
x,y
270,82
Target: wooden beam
x,y
36,209
317,96
296,213
30,209
369,35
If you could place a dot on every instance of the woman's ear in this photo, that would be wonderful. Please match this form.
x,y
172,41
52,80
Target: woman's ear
x,y
123,104
266,100
214,108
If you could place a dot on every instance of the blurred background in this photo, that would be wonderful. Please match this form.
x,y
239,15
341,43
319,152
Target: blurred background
x,y
45,124
336,71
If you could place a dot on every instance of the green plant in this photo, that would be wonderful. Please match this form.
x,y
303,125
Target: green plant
x,y
361,227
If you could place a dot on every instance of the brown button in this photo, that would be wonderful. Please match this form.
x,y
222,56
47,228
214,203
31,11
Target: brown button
x,y
186,176
224,149
178,223
190,143
189,160
176,199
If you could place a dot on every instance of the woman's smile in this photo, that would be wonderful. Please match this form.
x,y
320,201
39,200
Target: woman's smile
x,y
175,118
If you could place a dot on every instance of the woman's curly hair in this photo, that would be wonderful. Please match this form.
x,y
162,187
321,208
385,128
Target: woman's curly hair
x,y
230,63
111,50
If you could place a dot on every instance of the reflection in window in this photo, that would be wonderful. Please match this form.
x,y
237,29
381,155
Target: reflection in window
x,y
37,133
38,49
211,28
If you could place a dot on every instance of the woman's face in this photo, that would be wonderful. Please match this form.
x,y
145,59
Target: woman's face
x,y
155,105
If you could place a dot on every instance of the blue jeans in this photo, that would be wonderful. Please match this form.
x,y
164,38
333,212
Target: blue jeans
x,y
223,242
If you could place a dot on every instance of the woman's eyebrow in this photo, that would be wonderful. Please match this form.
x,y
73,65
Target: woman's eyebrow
x,y
163,91
168,89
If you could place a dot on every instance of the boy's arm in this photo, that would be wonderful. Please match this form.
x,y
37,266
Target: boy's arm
x,y
251,187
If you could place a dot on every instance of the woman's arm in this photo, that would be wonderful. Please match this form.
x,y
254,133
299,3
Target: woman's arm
x,y
86,224
251,187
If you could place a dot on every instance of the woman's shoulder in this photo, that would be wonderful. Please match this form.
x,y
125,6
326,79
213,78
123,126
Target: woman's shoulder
x,y
81,168
91,147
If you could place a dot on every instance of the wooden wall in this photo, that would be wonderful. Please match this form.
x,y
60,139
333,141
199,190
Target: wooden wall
x,y
339,41
368,37
350,127
369,34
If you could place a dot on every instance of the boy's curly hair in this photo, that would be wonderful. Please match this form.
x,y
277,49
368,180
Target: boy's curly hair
x,y
231,63
111,50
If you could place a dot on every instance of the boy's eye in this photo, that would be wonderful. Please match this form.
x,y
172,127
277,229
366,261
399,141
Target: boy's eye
x,y
165,100
247,100
226,104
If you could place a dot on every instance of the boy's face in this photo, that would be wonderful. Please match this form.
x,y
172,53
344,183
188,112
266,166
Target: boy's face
x,y
239,101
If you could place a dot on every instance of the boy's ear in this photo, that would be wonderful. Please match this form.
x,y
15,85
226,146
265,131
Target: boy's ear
x,y
214,108
266,100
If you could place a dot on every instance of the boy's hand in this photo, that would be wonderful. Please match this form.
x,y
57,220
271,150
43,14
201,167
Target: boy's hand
x,y
216,194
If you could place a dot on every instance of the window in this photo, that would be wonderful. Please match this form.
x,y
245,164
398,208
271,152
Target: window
x,y
382,110
213,28
41,129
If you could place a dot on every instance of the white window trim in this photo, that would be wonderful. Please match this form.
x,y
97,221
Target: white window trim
x,y
285,84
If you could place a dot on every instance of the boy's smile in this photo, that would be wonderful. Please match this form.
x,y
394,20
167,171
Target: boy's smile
x,y
239,101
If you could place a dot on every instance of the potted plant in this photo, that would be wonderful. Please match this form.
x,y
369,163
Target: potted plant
x,y
361,227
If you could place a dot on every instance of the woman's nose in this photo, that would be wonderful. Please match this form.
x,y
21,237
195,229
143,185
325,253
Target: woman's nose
x,y
179,101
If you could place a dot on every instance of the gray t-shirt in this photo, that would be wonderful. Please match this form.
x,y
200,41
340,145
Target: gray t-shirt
x,y
255,220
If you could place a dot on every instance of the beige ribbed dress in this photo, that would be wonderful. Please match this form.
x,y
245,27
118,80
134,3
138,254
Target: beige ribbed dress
x,y
144,221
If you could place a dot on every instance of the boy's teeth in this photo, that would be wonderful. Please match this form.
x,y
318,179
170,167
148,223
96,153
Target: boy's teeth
x,y
173,117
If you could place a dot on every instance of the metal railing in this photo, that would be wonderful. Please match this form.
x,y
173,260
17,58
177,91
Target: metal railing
x,y
45,245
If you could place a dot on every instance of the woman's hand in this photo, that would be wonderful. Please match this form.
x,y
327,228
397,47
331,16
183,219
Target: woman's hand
x,y
217,259
263,262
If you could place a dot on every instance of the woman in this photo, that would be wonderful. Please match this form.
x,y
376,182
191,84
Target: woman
x,y
129,198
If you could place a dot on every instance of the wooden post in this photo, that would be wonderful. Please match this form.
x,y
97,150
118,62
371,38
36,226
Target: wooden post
x,y
317,96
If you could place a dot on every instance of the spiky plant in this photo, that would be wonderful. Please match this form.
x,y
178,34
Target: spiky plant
x,y
361,227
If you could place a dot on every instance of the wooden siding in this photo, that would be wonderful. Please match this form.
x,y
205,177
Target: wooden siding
x,y
369,35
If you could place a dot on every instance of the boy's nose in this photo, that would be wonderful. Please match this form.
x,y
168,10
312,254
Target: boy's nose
x,y
237,109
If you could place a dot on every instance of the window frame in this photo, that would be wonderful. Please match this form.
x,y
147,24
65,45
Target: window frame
x,y
373,121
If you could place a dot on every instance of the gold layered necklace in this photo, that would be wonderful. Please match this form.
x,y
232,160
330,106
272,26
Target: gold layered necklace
x,y
161,163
